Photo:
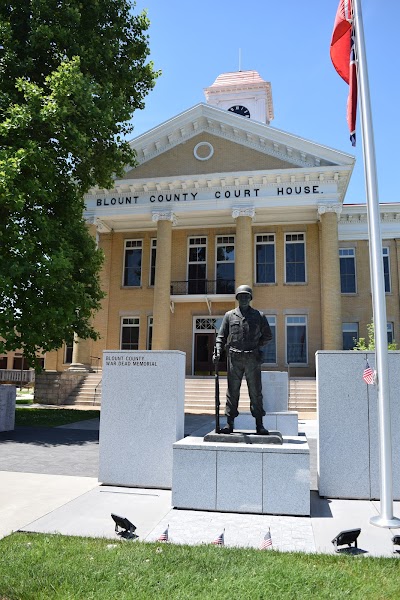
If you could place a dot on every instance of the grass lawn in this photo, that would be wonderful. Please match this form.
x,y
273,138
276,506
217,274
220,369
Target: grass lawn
x,y
50,417
37,567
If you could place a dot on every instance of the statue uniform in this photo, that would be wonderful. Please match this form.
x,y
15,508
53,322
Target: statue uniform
x,y
243,336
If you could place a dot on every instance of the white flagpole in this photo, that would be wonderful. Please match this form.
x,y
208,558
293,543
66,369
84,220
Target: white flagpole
x,y
386,518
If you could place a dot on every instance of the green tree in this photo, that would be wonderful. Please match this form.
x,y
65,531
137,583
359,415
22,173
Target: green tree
x,y
72,74
362,344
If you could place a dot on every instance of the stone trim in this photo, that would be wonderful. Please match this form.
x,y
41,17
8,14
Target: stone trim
x,y
164,216
249,211
325,208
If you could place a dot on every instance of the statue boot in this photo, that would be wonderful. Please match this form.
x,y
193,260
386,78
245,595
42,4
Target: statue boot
x,y
229,426
260,429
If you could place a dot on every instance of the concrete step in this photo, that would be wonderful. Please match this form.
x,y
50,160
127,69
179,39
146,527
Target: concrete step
x,y
303,395
83,402
82,396
88,392
200,394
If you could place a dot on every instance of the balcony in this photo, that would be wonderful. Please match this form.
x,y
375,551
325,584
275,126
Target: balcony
x,y
205,287
203,290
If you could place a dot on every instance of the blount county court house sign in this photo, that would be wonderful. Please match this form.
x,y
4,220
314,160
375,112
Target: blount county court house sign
x,y
272,191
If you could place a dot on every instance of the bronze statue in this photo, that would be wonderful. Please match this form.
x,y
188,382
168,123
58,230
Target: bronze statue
x,y
244,330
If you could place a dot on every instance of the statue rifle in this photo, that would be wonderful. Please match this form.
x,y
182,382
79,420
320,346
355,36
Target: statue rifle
x,y
217,426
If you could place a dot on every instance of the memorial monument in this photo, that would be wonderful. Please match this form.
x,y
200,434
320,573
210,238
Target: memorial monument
x,y
233,471
142,415
243,332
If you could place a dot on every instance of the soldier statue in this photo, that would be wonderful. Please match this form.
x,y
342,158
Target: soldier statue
x,y
244,330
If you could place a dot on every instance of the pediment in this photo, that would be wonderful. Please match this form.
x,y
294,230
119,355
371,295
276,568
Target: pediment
x,y
187,158
170,146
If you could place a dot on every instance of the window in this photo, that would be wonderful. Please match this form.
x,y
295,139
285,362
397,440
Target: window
x,y
153,254
295,258
197,265
130,333
225,271
149,332
133,263
3,362
350,335
390,334
269,351
20,362
69,346
265,258
347,257
296,340
386,269
203,324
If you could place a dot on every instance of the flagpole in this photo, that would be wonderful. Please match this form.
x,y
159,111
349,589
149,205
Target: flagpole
x,y
386,517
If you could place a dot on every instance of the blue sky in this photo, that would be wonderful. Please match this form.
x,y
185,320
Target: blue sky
x,y
287,42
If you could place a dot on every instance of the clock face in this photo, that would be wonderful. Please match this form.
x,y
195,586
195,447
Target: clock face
x,y
240,110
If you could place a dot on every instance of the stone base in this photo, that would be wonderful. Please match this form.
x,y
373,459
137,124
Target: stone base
x,y
348,426
244,437
240,477
52,387
142,415
287,422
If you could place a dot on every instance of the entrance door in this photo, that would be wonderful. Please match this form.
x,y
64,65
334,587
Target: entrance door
x,y
203,353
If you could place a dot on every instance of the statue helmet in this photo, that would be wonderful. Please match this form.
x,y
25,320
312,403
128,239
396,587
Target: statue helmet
x,y
244,289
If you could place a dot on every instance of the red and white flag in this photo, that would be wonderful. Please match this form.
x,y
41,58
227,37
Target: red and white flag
x,y
369,374
220,540
164,536
267,541
344,59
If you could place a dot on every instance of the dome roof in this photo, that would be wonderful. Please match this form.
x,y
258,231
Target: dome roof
x,y
237,78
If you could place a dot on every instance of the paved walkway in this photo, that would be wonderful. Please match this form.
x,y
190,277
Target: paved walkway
x,y
48,483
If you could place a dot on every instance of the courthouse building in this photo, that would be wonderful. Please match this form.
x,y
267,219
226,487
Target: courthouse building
x,y
220,198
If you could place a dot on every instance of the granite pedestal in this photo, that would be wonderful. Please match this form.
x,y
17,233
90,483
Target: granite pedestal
x,y
8,395
264,479
285,422
348,436
244,437
275,389
142,415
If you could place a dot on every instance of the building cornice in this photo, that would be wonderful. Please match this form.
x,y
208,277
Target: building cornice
x,y
353,223
318,175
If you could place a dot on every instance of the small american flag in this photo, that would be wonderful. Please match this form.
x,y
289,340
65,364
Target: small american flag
x,y
267,541
164,536
369,375
220,540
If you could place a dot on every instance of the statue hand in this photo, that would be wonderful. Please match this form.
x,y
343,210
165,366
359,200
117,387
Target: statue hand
x,y
216,356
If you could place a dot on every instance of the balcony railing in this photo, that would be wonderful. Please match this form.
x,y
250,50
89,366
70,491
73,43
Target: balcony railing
x,y
205,287
17,376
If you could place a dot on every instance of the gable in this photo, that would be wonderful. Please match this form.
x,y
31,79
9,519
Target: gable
x,y
227,157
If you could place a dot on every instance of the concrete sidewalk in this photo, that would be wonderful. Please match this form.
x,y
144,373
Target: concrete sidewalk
x,y
62,500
